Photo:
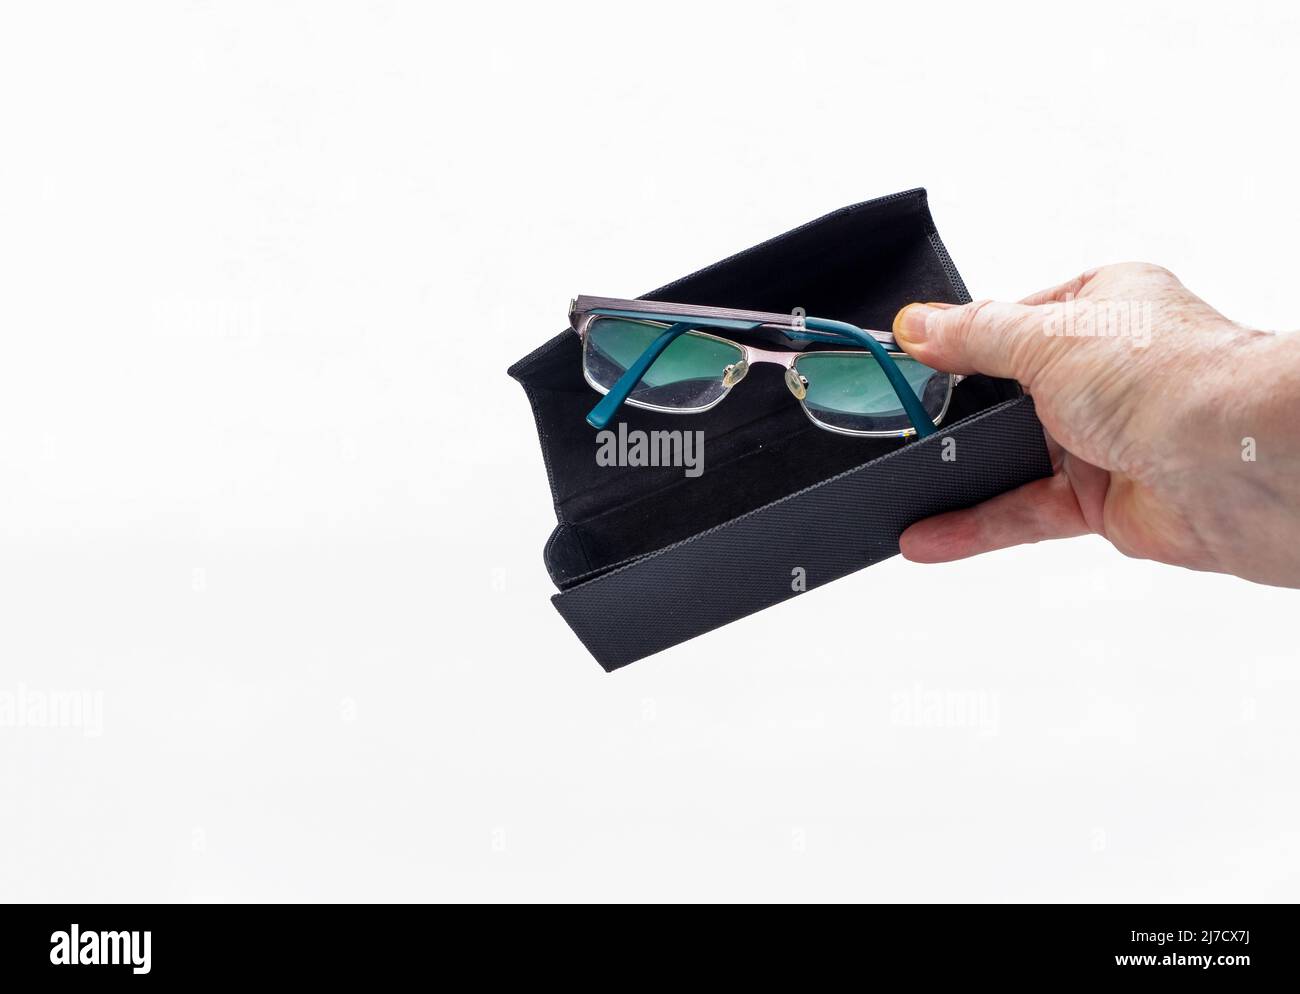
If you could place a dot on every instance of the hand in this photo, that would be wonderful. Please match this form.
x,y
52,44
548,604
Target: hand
x,y
1174,432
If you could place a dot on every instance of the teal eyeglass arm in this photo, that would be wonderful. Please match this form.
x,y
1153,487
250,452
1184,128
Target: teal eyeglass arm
x,y
601,414
911,403
604,411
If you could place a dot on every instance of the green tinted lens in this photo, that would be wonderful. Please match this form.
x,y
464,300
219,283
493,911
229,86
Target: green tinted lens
x,y
688,375
849,391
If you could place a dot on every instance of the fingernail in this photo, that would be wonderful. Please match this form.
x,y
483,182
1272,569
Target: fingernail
x,y
909,323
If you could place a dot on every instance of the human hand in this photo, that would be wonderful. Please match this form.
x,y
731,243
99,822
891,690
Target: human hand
x,y
1176,436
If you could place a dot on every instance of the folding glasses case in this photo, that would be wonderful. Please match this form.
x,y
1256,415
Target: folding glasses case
x,y
645,558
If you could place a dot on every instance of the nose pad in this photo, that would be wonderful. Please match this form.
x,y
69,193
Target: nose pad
x,y
797,383
734,373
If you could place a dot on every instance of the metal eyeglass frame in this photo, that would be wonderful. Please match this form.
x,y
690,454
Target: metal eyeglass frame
x,y
584,310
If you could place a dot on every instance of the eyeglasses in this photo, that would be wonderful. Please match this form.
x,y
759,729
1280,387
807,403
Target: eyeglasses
x,y
655,356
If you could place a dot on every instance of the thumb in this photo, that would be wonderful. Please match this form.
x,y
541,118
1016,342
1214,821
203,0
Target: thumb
x,y
987,336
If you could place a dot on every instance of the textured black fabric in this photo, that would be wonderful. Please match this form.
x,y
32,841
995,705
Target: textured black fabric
x,y
828,530
620,530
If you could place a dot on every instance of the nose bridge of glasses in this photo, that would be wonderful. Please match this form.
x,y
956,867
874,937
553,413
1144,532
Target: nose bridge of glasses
x,y
754,355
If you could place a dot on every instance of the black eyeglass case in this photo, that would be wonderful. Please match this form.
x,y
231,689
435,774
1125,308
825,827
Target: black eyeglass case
x,y
647,557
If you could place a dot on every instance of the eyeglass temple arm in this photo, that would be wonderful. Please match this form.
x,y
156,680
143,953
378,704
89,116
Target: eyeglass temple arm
x,y
911,403
604,411
600,415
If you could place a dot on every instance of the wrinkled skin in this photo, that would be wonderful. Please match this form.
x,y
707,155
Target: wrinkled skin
x,y
1147,438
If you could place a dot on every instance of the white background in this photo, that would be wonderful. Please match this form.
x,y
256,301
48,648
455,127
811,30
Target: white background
x,y
269,498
